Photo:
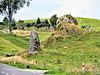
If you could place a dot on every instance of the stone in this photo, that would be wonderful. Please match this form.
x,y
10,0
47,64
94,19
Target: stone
x,y
68,19
43,46
34,43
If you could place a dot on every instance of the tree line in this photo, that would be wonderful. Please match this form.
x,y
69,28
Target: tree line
x,y
38,24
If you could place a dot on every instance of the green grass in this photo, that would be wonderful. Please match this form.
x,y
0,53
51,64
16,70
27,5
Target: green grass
x,y
87,50
94,23
10,44
43,36
76,53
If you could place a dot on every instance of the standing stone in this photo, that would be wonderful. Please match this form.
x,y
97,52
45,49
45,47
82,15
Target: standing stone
x,y
34,43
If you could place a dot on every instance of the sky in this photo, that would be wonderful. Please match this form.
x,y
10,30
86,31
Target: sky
x,y
47,8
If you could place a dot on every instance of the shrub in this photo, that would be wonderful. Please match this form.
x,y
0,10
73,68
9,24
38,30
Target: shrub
x,y
58,27
23,28
14,27
61,28
28,25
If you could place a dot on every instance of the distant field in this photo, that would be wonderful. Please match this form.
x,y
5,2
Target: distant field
x,y
94,23
34,20
42,36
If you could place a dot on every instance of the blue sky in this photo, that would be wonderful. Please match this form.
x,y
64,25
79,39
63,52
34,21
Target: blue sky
x,y
46,8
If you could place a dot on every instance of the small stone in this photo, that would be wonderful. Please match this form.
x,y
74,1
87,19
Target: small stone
x,y
43,46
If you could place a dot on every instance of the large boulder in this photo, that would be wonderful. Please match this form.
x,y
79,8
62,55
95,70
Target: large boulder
x,y
34,43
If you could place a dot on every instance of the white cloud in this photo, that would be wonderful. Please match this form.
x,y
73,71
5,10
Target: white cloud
x,y
57,1
75,7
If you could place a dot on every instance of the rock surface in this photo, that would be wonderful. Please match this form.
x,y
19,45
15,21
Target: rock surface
x,y
67,18
34,43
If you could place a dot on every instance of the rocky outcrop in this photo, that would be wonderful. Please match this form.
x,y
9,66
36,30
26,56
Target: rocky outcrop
x,y
67,18
34,43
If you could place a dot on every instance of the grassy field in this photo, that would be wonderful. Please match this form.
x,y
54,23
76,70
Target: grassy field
x,y
63,56
10,44
34,20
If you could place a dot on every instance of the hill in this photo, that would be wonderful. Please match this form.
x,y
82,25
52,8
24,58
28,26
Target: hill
x,y
64,55
67,55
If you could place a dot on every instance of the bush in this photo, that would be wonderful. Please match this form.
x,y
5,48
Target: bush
x,y
23,28
14,27
35,25
83,26
28,25
58,27
1,23
61,28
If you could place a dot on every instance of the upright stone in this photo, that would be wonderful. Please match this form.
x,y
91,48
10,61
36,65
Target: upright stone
x,y
34,43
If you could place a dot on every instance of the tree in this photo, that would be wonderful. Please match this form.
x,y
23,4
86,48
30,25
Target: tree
x,y
5,21
10,7
47,23
38,21
53,20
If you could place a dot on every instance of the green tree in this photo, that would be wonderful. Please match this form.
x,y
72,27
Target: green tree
x,y
53,20
47,23
38,21
5,21
10,7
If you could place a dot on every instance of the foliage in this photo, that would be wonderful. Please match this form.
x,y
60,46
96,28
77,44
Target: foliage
x,y
28,25
58,27
10,7
12,23
83,26
35,25
5,21
46,21
14,27
53,20
38,21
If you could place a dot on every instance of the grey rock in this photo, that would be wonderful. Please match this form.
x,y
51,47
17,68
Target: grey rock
x,y
34,43
64,19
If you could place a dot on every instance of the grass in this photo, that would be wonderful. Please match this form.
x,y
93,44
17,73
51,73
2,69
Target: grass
x,y
94,23
63,56
86,50
72,57
10,44
43,36
34,20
